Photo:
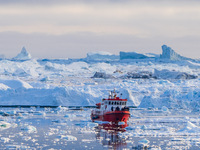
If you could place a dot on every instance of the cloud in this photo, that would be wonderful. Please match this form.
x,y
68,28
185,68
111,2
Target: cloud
x,y
72,28
142,19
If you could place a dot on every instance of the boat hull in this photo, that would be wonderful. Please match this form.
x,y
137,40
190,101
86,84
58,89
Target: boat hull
x,y
112,116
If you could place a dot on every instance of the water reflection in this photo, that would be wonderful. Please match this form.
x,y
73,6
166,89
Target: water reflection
x,y
108,136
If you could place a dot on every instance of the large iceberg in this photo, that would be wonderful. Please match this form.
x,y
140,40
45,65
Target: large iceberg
x,y
134,55
169,53
101,56
23,55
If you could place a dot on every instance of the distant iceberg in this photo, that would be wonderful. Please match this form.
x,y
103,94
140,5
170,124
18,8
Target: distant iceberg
x,y
101,56
134,55
23,55
2,56
169,53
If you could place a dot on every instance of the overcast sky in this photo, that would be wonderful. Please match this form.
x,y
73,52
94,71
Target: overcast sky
x,y
70,29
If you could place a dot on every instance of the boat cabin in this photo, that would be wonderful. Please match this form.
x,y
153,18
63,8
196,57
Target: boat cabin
x,y
113,103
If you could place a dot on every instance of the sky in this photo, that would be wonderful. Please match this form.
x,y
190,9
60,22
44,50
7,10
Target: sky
x,y
72,28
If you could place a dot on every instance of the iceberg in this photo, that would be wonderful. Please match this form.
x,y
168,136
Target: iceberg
x,y
2,56
23,55
101,56
134,55
169,53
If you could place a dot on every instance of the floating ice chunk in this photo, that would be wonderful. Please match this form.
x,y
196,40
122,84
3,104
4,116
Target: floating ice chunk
x,y
92,124
61,109
11,113
4,140
101,122
155,148
71,116
144,127
165,109
144,142
121,123
4,125
87,140
12,146
130,128
26,138
125,135
86,131
68,137
29,129
21,147
40,114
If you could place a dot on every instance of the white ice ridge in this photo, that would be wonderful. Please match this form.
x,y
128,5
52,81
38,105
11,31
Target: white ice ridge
x,y
23,55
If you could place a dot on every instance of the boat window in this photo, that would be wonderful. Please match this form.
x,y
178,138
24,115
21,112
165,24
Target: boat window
x,y
115,103
112,103
109,103
120,103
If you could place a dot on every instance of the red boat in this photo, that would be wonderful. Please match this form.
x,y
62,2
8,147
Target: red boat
x,y
113,109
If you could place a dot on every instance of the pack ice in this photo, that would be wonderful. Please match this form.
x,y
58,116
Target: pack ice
x,y
154,80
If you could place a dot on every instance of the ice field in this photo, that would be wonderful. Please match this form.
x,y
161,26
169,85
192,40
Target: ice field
x,y
162,91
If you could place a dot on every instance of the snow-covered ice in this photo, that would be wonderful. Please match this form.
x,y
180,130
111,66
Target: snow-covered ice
x,y
79,83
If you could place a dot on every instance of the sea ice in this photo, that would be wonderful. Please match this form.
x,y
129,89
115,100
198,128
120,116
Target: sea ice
x,y
4,125
68,137
29,128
